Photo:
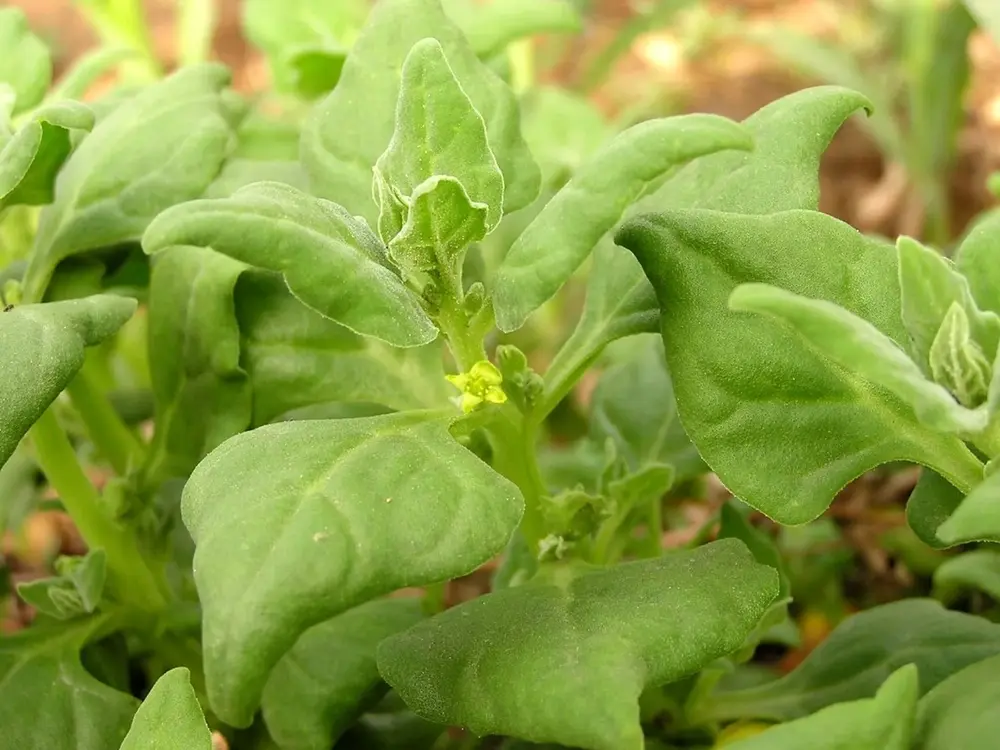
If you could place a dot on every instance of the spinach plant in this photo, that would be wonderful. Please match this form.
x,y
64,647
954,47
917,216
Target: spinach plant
x,y
306,308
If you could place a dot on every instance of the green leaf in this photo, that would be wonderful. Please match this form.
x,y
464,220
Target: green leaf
x,y
861,653
44,348
862,349
570,225
48,701
329,677
633,405
26,65
930,504
977,260
297,522
784,428
31,159
314,244
75,591
512,662
977,518
957,362
352,126
733,524
439,133
884,722
961,711
490,27
201,392
170,718
297,358
104,200
929,287
978,570
87,69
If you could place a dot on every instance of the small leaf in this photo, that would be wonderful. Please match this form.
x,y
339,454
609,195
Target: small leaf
x,y
31,159
884,722
26,64
351,127
957,362
315,244
512,662
103,200
48,701
930,504
978,570
977,518
170,718
43,349
960,712
862,652
492,26
329,677
297,522
570,225
863,350
74,592
977,259
439,133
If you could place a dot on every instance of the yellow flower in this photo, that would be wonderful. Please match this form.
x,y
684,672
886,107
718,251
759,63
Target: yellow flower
x,y
478,385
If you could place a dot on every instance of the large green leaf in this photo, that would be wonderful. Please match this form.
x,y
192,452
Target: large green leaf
x,y
48,701
175,133
513,662
170,718
31,159
44,347
961,711
296,358
570,225
353,125
331,260
201,392
329,677
784,428
883,722
26,64
861,653
296,522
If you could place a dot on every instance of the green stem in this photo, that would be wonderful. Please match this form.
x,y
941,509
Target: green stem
x,y
126,567
465,340
653,544
116,442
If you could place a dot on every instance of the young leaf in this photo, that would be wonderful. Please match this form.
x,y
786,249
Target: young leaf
x,y
978,570
298,521
26,64
201,392
48,701
43,349
930,504
929,286
170,718
883,722
492,26
977,260
957,362
74,592
351,127
862,349
329,677
512,662
439,133
977,518
314,244
559,239
31,159
784,428
861,653
960,712
104,200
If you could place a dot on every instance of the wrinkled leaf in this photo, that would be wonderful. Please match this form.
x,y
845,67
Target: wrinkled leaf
x,y
26,64
961,711
330,260
296,522
329,677
43,349
170,718
74,592
570,225
512,662
353,125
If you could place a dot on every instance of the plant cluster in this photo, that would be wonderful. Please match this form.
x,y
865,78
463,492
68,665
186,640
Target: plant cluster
x,y
316,301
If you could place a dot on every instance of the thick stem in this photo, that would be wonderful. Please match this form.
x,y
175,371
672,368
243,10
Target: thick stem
x,y
127,569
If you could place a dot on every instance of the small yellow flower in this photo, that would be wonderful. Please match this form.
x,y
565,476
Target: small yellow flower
x,y
478,385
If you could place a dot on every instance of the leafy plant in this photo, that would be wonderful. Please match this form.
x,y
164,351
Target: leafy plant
x,y
308,308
